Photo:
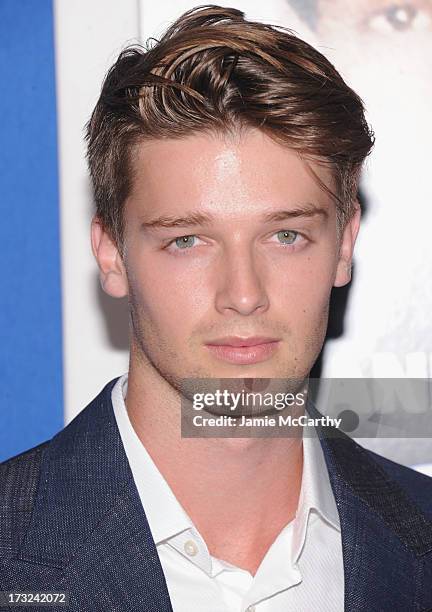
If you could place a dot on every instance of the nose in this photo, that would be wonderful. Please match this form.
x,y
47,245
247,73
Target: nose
x,y
241,283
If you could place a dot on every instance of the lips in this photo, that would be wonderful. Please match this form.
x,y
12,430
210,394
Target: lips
x,y
243,351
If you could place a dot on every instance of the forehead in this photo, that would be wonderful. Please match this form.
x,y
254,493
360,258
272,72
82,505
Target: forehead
x,y
224,173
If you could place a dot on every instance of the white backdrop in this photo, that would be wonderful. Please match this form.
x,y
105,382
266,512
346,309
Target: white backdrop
x,y
385,55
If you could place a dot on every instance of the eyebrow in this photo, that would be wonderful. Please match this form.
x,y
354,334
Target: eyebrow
x,y
201,218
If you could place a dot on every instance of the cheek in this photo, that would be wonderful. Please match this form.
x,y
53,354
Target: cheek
x,y
168,296
301,291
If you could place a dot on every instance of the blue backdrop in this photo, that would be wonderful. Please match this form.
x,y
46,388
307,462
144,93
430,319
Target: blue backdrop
x,y
31,345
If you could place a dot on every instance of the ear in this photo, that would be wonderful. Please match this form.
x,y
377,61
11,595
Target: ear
x,y
348,238
112,272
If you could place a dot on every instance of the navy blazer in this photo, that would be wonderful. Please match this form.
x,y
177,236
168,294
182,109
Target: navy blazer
x,y
72,520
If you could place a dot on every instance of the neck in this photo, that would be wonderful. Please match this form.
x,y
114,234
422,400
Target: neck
x,y
244,488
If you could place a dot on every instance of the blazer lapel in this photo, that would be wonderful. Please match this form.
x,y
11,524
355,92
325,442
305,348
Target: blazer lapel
x,y
89,534
386,538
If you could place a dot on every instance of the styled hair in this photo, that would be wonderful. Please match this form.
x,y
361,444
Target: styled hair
x,y
214,71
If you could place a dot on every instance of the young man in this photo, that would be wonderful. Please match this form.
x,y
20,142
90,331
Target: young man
x,y
225,162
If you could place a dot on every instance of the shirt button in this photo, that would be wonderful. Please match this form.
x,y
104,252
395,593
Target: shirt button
x,y
251,609
191,548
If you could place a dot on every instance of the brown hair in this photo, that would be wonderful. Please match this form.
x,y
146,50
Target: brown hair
x,y
214,71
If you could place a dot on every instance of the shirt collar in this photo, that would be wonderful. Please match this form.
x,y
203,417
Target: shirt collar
x,y
316,494
167,518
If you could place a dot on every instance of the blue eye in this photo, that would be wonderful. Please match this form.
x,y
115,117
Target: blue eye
x,y
184,242
287,236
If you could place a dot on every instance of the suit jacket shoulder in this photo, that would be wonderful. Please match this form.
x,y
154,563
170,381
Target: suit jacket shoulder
x,y
19,479
418,486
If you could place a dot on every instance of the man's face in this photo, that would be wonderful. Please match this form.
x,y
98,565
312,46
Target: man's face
x,y
232,269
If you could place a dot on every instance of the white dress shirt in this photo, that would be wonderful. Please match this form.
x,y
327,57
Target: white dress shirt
x,y
302,570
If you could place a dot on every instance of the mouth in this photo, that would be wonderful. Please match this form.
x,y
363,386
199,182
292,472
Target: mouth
x,y
243,351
